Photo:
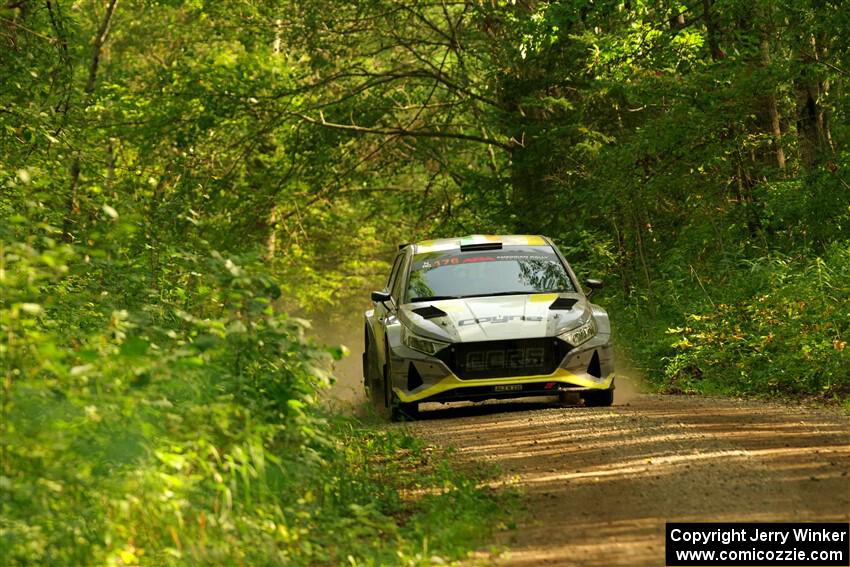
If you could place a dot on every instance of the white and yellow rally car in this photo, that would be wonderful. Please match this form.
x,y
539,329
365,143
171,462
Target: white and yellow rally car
x,y
483,317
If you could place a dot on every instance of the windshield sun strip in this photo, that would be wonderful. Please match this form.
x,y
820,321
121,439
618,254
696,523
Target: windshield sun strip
x,y
551,254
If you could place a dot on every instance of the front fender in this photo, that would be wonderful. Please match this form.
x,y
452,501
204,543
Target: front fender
x,y
371,334
603,323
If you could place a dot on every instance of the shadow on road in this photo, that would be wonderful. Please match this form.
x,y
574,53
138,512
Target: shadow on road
x,y
599,484
453,410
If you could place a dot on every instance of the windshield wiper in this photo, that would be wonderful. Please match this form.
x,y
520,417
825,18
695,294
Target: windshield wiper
x,y
433,298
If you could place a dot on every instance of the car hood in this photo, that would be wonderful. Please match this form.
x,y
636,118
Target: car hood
x,y
493,318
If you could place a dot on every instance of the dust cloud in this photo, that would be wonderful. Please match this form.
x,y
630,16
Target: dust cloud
x,y
343,327
630,379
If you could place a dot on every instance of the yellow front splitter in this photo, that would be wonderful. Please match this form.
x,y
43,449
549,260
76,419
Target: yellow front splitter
x,y
452,382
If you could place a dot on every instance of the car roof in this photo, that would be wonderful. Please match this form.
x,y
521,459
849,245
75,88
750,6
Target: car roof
x,y
445,244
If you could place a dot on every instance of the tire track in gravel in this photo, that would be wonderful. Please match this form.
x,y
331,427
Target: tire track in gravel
x,y
600,483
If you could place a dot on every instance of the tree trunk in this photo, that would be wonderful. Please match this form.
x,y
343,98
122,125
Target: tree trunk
x,y
273,218
73,206
808,133
711,30
812,131
271,238
772,108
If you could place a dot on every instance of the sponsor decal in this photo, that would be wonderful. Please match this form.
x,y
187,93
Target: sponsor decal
x,y
454,258
498,319
445,261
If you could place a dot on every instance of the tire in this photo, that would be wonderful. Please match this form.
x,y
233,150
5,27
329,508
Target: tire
x,y
401,411
386,388
371,383
599,398
366,380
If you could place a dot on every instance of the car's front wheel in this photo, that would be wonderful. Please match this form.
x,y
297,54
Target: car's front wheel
x,y
372,379
401,411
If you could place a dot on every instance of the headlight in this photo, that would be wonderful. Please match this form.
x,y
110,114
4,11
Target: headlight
x,y
580,334
420,343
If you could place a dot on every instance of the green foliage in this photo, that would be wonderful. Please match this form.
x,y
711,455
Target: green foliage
x,y
163,204
189,432
786,339
648,151
175,177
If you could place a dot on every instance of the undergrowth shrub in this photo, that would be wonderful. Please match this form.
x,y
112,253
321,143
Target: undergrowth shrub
x,y
789,338
781,330
183,427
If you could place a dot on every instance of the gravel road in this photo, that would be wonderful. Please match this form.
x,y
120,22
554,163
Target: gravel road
x,y
598,484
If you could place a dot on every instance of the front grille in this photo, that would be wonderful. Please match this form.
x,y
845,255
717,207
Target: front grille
x,y
496,359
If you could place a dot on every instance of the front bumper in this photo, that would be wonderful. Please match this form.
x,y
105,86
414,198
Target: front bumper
x,y
417,377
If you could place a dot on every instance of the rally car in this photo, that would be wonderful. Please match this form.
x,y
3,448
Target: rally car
x,y
483,317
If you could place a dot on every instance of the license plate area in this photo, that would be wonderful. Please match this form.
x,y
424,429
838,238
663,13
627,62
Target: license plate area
x,y
507,388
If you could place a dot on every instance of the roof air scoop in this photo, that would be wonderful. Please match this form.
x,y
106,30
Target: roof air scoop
x,y
481,246
564,303
429,312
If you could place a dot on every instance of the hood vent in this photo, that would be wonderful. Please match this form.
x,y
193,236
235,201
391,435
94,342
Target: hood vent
x,y
429,312
564,303
481,246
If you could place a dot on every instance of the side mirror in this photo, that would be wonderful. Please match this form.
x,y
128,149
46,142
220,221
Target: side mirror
x,y
380,296
592,284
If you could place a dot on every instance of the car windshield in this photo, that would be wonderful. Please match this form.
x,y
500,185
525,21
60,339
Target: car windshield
x,y
511,270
